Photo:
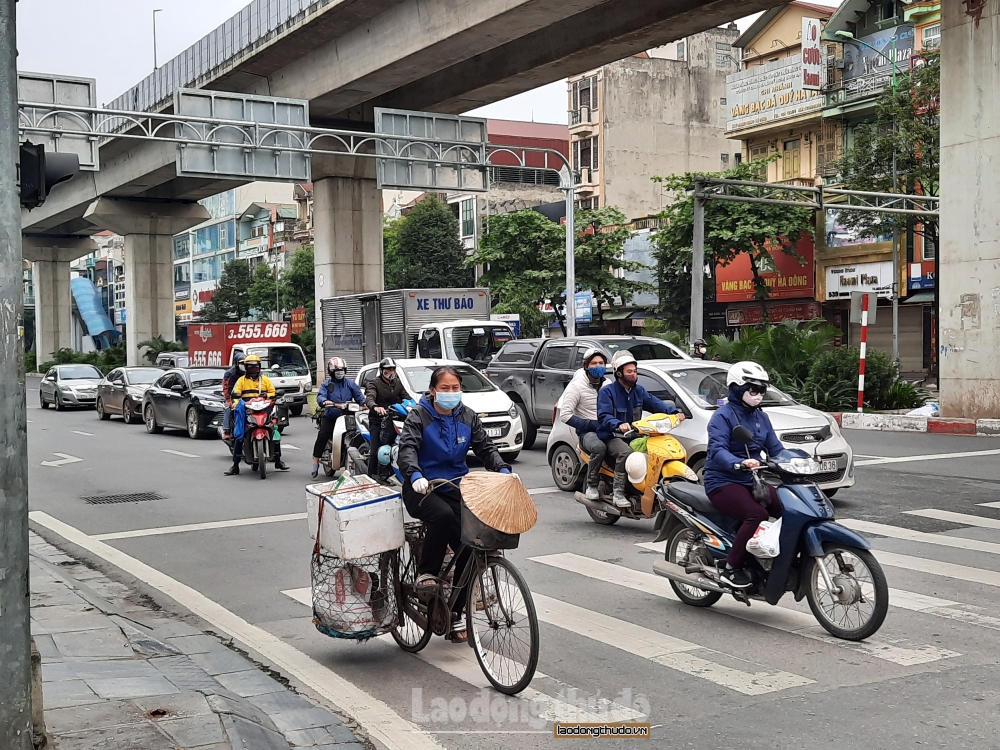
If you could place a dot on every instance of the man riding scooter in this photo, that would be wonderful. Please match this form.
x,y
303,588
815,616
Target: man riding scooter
x,y
618,405
253,385
381,393
233,374
579,411
337,390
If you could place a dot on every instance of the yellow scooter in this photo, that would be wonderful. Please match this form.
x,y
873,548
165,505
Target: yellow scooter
x,y
665,460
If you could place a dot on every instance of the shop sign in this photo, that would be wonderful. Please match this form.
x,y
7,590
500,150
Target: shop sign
x,y
182,308
838,235
298,320
923,275
752,315
812,55
867,71
859,277
769,93
786,276
202,293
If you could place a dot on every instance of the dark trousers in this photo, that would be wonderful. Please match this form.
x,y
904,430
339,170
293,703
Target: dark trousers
x,y
238,449
618,451
325,433
441,512
736,501
381,432
596,449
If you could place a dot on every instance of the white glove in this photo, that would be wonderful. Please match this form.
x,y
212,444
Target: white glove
x,y
512,474
422,486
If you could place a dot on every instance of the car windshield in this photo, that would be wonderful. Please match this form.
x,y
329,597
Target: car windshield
x,y
475,344
286,361
707,387
206,378
80,372
144,376
641,349
419,379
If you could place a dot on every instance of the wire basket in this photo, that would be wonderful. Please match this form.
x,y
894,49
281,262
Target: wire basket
x,y
354,599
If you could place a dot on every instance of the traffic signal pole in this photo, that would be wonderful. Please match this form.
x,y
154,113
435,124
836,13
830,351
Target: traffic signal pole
x,y
15,649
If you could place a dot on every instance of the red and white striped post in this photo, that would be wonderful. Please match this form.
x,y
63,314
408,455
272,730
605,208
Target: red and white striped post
x,y
864,351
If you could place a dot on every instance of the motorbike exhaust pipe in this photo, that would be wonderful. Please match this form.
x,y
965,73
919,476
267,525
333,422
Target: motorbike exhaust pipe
x,y
677,573
595,505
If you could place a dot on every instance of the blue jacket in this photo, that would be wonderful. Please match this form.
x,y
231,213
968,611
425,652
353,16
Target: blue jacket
x,y
615,405
340,392
724,453
434,446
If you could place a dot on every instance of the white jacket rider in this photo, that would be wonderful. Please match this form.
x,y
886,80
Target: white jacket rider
x,y
579,411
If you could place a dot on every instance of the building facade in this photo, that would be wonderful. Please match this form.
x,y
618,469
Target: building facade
x,y
655,114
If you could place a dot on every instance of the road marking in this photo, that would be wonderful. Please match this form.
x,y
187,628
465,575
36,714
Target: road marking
x,y
66,459
780,618
290,447
461,663
544,490
78,432
930,457
939,568
200,526
861,455
897,532
179,453
947,515
381,722
989,505
634,639
942,608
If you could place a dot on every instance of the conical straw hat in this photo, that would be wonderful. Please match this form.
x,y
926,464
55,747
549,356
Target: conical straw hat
x,y
500,501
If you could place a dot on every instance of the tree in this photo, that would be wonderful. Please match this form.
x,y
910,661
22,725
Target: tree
x,y
907,125
158,344
731,229
298,283
430,254
265,290
231,300
393,269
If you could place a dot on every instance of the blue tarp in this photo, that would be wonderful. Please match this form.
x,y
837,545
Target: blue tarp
x,y
95,317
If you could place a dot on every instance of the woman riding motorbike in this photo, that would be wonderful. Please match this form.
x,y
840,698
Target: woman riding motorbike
x,y
334,393
728,482
436,436
579,411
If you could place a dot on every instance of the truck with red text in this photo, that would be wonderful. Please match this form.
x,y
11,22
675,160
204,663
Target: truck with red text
x,y
215,345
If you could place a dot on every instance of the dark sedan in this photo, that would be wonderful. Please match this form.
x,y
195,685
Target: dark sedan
x,y
187,399
121,392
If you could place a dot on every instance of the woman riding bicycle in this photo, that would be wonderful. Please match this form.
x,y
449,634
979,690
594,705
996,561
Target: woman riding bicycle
x,y
436,437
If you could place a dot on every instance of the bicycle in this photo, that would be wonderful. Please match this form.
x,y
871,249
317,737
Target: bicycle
x,y
500,617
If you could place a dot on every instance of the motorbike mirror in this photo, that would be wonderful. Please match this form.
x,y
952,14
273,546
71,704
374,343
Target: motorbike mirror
x,y
742,435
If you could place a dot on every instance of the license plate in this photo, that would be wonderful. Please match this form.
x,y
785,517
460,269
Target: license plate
x,y
289,374
494,431
828,466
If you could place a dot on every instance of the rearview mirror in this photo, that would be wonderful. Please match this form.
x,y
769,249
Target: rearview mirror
x,y
178,388
742,435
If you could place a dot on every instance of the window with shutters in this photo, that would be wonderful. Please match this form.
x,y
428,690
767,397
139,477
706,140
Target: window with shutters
x,y
931,36
828,148
791,159
759,153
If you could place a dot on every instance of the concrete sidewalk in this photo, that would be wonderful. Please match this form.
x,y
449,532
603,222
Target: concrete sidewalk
x,y
117,674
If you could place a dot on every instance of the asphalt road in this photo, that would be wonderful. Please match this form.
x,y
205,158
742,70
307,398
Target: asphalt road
x,y
737,677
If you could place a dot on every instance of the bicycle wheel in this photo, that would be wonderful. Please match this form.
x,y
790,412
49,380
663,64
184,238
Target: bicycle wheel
x,y
408,633
502,625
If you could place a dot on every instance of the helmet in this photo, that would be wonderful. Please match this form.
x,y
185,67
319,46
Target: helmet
x,y
387,364
238,361
590,354
621,359
385,455
699,342
335,363
635,466
747,372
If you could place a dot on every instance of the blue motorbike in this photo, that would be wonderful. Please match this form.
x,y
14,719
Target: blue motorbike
x,y
828,564
388,454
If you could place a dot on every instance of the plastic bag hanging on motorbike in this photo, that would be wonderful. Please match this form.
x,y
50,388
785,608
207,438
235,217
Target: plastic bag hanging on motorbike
x,y
765,542
239,420
639,445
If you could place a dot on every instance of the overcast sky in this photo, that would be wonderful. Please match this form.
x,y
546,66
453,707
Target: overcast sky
x,y
112,41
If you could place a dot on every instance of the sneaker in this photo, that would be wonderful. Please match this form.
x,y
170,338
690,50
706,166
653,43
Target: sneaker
x,y
737,579
621,501
592,494
234,469
279,465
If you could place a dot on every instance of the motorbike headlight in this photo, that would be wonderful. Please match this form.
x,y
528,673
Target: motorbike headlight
x,y
512,411
662,426
801,466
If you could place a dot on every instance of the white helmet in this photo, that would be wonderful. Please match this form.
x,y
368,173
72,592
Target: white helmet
x,y
635,466
622,358
747,372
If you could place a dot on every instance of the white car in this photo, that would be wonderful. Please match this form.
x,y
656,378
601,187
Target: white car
x,y
497,412
696,387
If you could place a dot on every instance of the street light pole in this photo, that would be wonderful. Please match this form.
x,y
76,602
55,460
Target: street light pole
x,y
15,634
698,266
155,11
569,188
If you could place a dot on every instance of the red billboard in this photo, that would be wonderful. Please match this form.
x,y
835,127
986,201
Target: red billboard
x,y
787,278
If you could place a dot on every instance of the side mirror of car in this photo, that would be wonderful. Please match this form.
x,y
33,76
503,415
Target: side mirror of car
x,y
742,435
178,388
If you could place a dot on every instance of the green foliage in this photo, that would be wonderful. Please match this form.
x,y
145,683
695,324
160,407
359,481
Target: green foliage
x,y
298,282
786,350
533,320
393,269
105,360
659,329
903,394
307,340
30,361
264,291
231,300
731,229
838,368
430,253
907,126
159,344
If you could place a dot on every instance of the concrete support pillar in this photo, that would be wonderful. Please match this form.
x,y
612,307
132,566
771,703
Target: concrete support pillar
x,y
969,259
148,228
51,257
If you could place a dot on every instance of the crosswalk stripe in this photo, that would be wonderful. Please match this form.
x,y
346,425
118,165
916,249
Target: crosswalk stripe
x,y
989,505
939,568
898,532
200,526
947,515
779,618
460,662
663,649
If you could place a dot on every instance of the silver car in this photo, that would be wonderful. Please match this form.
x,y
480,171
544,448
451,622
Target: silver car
x,y
121,392
697,388
69,385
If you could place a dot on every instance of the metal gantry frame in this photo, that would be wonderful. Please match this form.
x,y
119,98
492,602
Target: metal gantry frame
x,y
818,198
103,125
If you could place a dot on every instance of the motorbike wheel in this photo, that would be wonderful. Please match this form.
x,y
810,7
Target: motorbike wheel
x,y
679,547
260,456
859,608
605,519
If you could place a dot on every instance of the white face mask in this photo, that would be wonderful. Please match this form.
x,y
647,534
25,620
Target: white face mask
x,y
753,400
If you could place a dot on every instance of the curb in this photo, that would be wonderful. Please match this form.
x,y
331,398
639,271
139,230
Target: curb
x,y
902,423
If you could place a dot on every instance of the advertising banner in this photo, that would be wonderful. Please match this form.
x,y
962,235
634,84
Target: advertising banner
x,y
298,320
786,279
859,277
812,55
923,275
752,315
769,93
867,71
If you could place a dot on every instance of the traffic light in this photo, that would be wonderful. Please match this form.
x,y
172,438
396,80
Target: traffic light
x,y
41,171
